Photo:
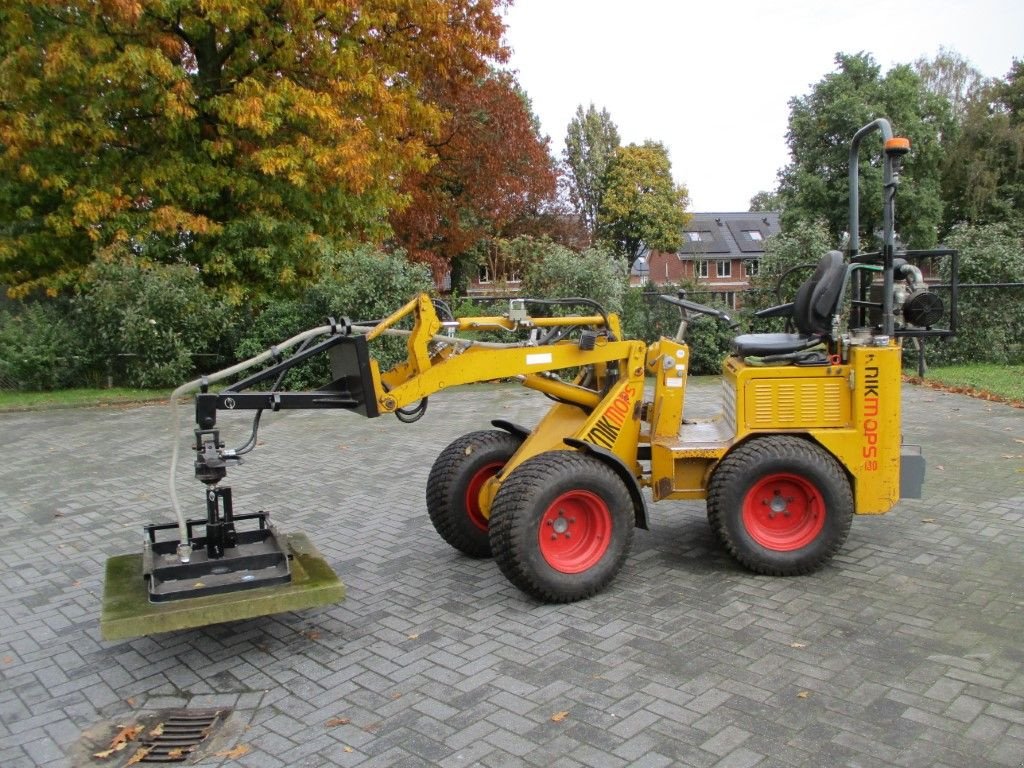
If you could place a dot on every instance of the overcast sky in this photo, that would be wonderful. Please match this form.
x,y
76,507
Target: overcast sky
x,y
712,80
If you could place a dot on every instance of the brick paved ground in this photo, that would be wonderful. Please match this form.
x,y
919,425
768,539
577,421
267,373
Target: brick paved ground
x,y
907,651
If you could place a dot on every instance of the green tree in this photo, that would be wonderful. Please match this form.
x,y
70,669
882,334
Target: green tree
x,y
766,201
231,135
983,171
642,205
782,267
822,123
590,143
951,77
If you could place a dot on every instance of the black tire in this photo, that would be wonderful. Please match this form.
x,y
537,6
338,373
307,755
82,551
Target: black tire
x,y
561,494
466,463
781,505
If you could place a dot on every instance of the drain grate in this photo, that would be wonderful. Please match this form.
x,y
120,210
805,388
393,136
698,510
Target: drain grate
x,y
179,732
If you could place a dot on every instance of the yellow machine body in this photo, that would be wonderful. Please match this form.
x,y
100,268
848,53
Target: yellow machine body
x,y
851,407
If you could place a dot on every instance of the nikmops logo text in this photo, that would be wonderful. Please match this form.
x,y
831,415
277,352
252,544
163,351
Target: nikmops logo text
x,y
871,404
606,431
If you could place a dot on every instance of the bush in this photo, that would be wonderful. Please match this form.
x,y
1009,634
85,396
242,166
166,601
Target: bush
x,y
647,317
364,285
557,272
991,323
40,348
144,323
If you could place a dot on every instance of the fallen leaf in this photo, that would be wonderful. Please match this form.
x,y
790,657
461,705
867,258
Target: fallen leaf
x,y
939,466
396,696
803,694
130,701
8,659
235,753
798,645
177,752
120,740
559,716
1018,440
334,722
1009,456
927,519
412,637
311,634
157,730
138,757
349,749
372,727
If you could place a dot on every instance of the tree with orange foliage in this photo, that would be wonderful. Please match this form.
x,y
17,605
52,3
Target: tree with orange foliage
x,y
232,135
493,178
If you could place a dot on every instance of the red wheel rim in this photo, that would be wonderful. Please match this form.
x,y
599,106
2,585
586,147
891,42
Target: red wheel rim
x,y
476,484
784,512
575,531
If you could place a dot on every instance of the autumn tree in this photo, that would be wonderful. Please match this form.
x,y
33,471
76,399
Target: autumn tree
x,y
814,185
590,144
231,135
641,205
493,177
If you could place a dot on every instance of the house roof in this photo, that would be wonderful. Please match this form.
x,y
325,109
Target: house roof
x,y
724,235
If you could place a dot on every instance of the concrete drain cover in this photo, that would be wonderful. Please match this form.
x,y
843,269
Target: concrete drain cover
x,y
163,736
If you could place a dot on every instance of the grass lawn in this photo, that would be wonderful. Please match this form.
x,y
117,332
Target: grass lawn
x,y
1004,382
75,398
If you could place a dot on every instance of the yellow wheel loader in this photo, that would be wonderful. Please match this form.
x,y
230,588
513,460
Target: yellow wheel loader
x,y
809,436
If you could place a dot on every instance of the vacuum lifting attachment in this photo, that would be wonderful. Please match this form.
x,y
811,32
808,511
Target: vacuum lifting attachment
x,y
215,569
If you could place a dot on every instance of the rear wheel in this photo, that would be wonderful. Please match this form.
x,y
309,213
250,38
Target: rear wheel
x,y
561,526
781,505
453,488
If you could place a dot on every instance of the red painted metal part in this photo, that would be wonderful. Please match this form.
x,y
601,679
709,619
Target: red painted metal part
x,y
575,531
476,484
784,512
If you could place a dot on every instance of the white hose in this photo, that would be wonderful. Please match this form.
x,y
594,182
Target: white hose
x,y
184,546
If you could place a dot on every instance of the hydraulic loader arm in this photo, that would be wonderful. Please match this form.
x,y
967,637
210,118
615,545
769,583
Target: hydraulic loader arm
x,y
436,359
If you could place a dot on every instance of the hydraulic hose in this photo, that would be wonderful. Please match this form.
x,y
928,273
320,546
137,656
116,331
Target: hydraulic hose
x,y
184,545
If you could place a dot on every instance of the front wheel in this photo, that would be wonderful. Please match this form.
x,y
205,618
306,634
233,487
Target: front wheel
x,y
561,526
782,506
453,488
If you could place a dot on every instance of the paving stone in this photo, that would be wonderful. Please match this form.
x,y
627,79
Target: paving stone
x,y
907,644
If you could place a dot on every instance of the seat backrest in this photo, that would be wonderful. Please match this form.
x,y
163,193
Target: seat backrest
x,y
817,299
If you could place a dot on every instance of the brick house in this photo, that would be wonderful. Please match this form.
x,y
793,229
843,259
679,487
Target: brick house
x,y
720,252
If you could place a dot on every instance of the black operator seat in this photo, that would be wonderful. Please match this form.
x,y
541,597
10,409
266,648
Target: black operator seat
x,y
815,304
